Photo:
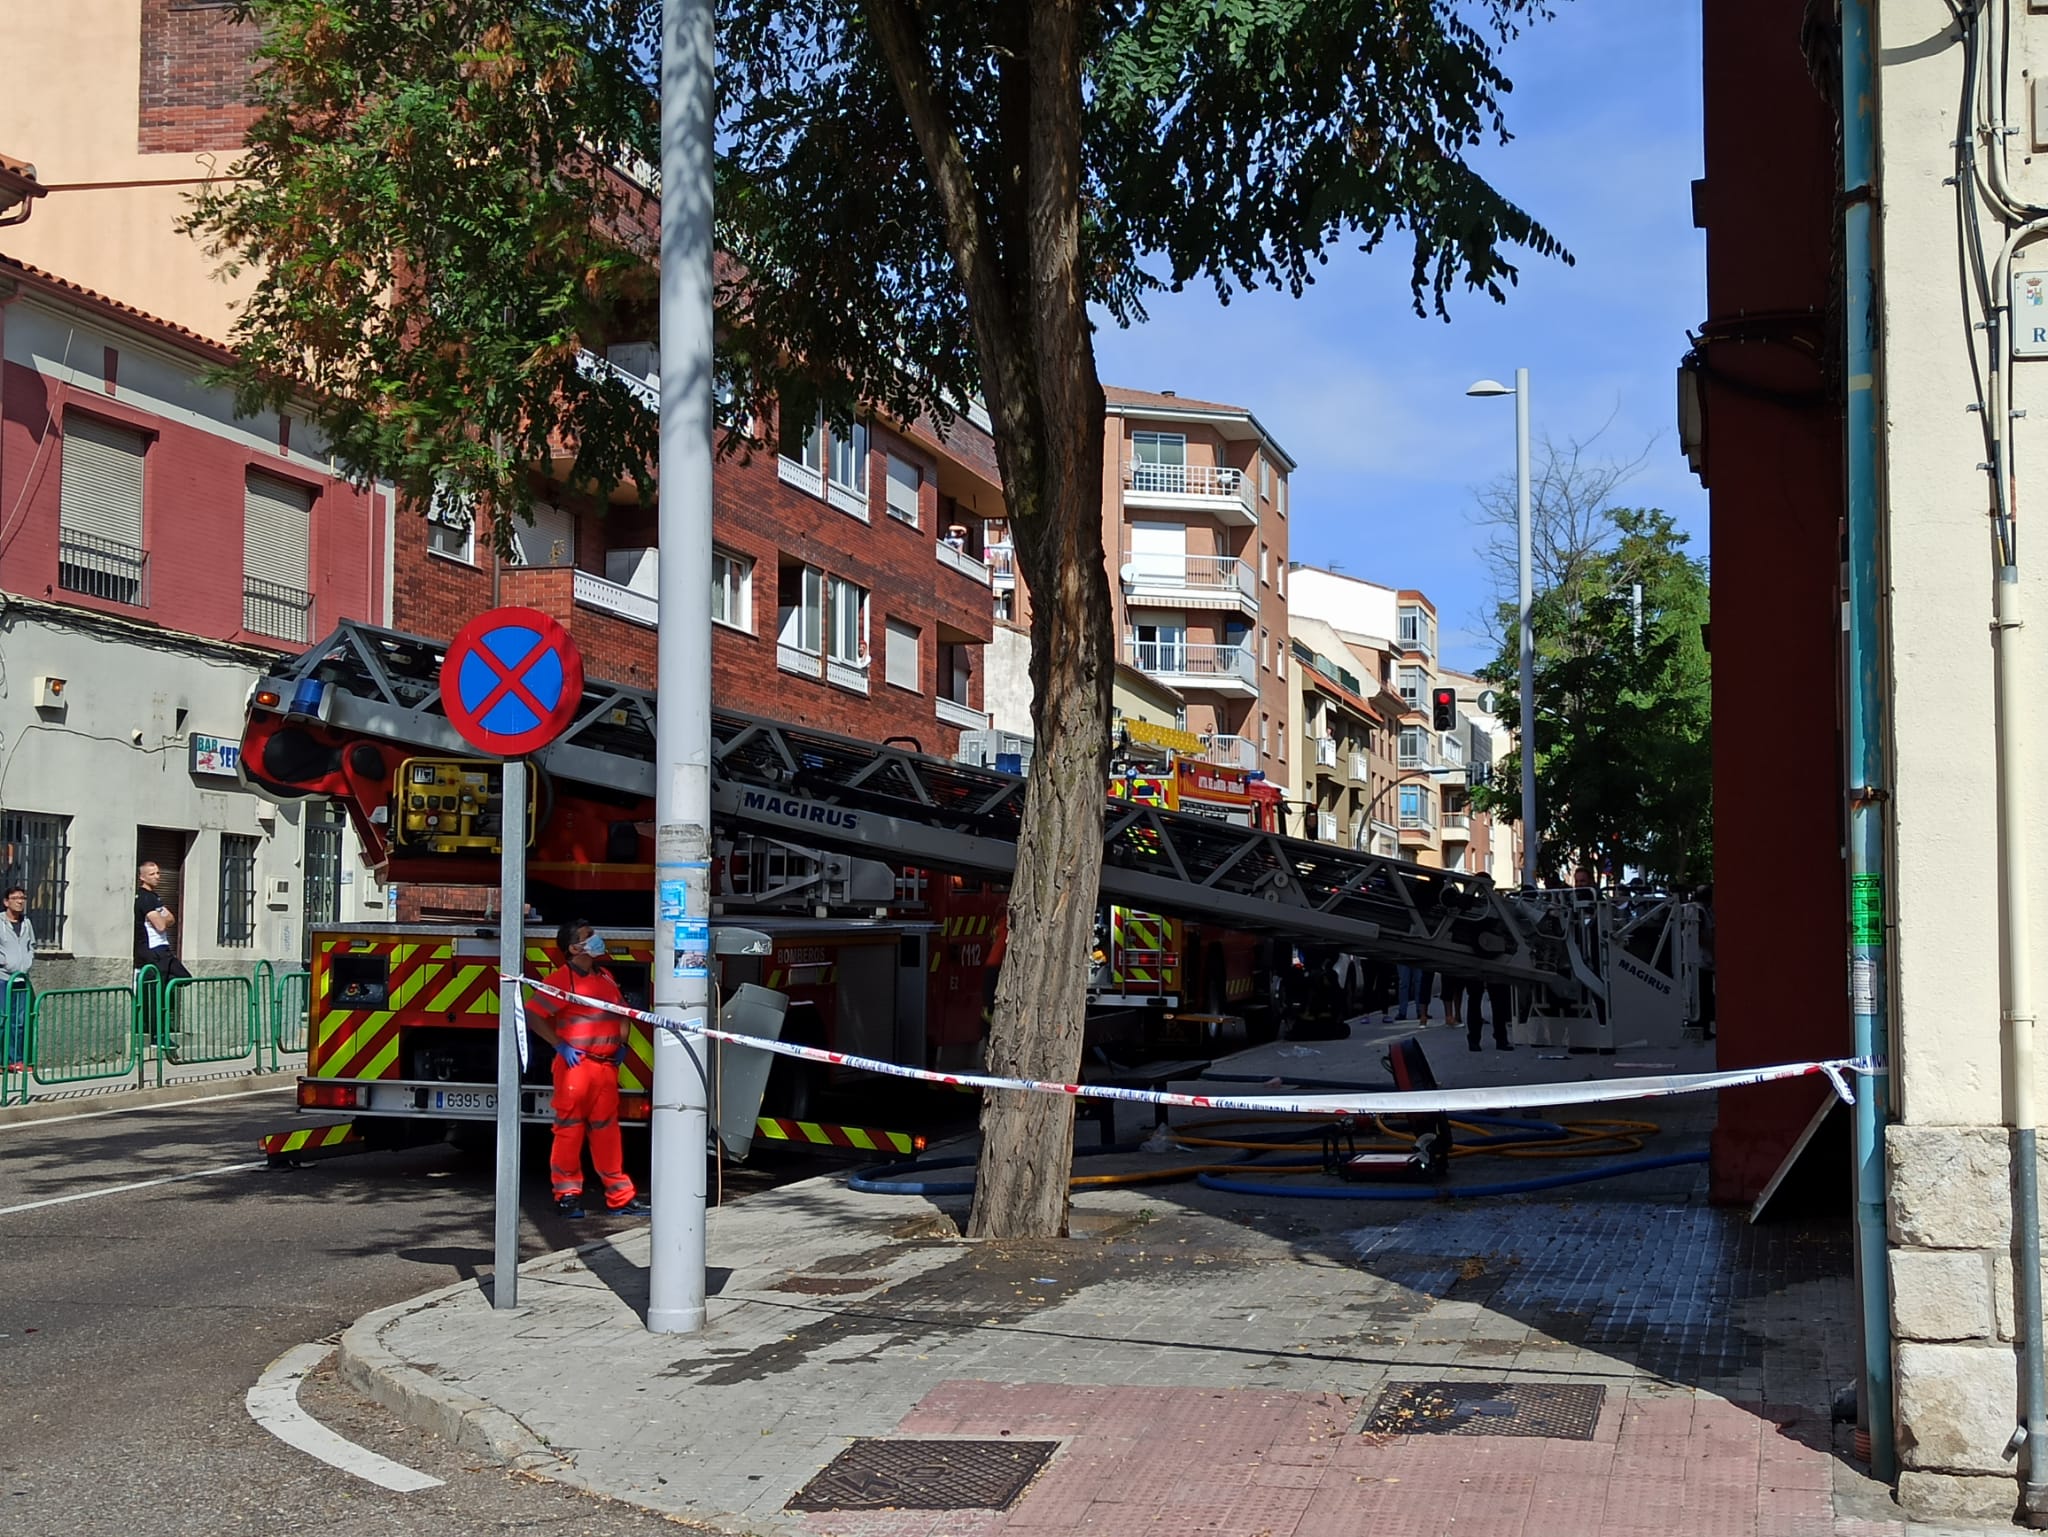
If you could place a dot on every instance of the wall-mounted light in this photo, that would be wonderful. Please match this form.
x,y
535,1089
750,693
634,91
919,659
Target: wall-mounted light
x,y
50,693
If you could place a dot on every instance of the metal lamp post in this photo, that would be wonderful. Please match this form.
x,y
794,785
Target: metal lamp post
x,y
1525,610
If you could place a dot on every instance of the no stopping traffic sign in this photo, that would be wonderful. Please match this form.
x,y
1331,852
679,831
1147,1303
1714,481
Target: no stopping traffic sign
x,y
512,681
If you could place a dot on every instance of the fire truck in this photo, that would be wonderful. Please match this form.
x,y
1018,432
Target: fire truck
x,y
872,875
1152,960
875,960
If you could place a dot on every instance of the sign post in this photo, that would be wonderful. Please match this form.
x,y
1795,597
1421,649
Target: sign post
x,y
511,683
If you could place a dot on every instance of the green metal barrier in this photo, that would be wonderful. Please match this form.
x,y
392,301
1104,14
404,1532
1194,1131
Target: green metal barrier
x,y
290,1012
208,1019
263,1000
76,1034
15,1003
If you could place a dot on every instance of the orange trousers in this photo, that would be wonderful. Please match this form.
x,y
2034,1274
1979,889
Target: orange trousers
x,y
587,1103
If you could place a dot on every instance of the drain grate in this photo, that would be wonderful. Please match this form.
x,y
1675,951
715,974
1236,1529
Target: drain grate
x,y
874,1474
1564,1411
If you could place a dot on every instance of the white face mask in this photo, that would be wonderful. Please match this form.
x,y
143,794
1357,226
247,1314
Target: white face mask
x,y
594,947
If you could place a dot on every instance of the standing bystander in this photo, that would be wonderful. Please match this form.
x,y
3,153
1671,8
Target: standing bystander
x,y
17,955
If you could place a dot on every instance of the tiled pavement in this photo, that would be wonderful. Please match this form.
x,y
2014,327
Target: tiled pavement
x,y
1204,1361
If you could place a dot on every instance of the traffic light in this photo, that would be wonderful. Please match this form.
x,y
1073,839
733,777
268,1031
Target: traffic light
x,y
1443,704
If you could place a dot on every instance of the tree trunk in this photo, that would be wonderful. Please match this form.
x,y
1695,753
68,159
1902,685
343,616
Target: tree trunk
x,y
1027,306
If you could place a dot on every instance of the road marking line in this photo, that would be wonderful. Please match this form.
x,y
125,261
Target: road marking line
x,y
176,1104
273,1403
140,1184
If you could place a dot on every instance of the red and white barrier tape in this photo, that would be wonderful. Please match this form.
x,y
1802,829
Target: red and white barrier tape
x,y
1370,1102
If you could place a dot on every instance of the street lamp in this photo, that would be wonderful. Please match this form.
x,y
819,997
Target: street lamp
x,y
1525,604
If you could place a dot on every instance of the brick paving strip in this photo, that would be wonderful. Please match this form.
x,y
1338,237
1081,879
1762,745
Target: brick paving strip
x,y
1201,1360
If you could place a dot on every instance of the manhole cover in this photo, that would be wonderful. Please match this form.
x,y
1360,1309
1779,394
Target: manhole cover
x,y
925,1475
1564,1411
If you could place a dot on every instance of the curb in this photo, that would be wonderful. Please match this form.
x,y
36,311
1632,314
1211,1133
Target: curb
x,y
106,1100
463,1420
366,1366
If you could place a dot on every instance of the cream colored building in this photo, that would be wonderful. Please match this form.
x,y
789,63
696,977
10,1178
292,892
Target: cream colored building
x,y
125,107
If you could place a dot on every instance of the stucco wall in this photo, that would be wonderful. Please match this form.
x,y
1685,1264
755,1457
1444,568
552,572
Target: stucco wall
x,y
86,763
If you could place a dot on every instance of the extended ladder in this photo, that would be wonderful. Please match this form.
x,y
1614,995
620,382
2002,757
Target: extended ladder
x,y
903,807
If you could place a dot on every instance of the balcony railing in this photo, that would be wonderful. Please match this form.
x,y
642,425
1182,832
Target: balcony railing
x,y
953,555
1209,481
594,591
1326,752
1416,754
1326,827
1459,822
1191,576
1002,565
271,608
1361,768
1198,665
965,716
592,366
1233,752
1423,820
102,568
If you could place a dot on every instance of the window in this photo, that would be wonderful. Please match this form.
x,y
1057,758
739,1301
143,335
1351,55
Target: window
x,y
812,455
901,664
732,590
36,851
1280,578
1280,741
1006,603
800,609
956,667
1265,648
1418,807
550,540
1265,478
1280,498
1159,461
237,889
1418,629
450,530
277,538
1264,573
1415,746
99,512
1414,682
849,622
1265,733
850,461
905,480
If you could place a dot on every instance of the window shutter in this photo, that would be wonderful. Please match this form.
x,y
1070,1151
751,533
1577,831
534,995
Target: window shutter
x,y
278,532
101,490
903,670
904,481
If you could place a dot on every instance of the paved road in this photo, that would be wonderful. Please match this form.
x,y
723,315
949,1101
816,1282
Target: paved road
x,y
132,1324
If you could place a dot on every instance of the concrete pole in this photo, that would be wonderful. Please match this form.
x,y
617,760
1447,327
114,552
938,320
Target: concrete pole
x,y
1531,842
511,963
682,733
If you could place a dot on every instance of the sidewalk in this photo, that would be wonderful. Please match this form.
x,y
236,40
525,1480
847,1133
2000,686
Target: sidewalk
x,y
180,1083
1190,1361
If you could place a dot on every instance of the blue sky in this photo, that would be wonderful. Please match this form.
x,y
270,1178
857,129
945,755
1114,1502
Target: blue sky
x,y
1370,400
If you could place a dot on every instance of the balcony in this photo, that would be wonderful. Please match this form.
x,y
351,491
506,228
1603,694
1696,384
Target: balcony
x,y
1224,494
1002,566
965,716
1238,752
1361,768
271,608
646,391
953,555
1189,581
1326,827
1458,825
1185,665
1326,752
628,603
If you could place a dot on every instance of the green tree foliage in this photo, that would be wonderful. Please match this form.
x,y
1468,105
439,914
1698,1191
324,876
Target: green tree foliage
x,y
922,199
1624,771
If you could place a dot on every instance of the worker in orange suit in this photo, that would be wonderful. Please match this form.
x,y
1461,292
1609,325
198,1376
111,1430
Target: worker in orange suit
x,y
588,1043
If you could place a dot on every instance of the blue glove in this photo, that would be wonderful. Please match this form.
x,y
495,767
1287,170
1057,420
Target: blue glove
x,y
569,1054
